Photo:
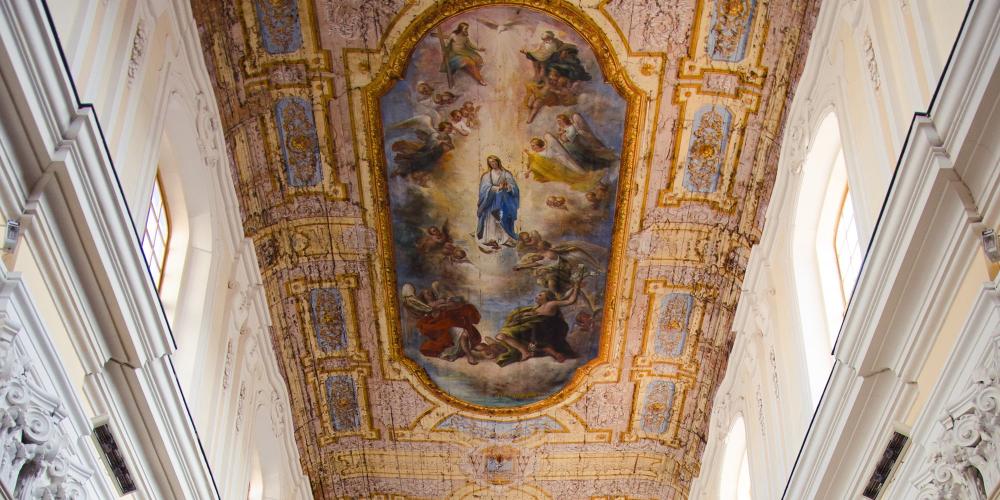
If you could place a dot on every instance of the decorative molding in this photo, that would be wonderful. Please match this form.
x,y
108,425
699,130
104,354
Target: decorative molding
x,y
139,41
749,71
125,347
859,409
797,140
124,344
208,128
965,459
227,371
278,411
35,459
241,406
43,431
871,63
360,19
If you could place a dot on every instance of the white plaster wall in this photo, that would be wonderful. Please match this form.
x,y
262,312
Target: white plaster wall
x,y
782,354
139,63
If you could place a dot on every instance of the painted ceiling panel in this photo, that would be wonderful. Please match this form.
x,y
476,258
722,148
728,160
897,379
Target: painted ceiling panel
x,y
503,241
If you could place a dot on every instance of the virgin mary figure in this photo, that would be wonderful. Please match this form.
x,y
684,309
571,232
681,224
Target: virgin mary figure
x,y
499,199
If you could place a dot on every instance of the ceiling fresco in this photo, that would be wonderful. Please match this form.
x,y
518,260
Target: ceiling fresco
x,y
503,241
503,159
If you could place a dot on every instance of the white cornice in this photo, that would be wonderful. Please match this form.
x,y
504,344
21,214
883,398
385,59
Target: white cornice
x,y
921,250
89,257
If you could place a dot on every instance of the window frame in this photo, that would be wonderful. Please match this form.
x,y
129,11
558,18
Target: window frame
x,y
836,252
735,459
165,217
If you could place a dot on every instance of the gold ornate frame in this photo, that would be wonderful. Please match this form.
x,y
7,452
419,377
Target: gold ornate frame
x,y
393,70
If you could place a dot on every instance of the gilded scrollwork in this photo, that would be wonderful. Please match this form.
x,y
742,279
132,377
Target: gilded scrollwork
x,y
730,30
368,107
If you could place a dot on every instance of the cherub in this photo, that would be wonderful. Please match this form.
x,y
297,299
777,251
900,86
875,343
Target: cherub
x,y
458,256
425,92
528,242
435,239
558,202
471,113
445,98
445,127
423,154
459,122
595,197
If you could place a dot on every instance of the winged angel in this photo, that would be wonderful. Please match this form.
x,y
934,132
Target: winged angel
x,y
580,141
555,266
422,155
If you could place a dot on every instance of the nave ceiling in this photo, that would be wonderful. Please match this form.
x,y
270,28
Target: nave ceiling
x,y
637,145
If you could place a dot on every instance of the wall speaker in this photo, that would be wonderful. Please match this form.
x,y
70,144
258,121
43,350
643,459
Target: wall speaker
x,y
13,233
990,246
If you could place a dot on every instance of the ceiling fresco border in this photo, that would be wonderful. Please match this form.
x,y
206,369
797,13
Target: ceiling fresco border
x,y
432,427
388,73
642,410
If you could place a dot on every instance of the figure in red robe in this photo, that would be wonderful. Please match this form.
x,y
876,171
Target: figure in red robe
x,y
447,320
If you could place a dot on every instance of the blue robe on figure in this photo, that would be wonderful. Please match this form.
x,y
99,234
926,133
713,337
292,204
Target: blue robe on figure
x,y
498,202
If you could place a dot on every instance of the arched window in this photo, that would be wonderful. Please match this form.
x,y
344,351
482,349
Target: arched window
x,y
847,247
818,217
156,233
836,233
255,490
734,477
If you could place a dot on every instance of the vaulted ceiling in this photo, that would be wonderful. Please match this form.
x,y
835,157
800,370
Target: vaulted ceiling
x,y
635,218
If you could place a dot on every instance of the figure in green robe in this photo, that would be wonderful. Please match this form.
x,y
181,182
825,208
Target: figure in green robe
x,y
538,330
463,55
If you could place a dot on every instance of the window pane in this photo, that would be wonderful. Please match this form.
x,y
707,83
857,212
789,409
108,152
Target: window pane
x,y
847,247
156,231
158,248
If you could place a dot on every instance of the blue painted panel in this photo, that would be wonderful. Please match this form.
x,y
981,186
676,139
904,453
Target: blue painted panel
x,y
672,327
299,142
731,20
486,429
657,405
707,148
280,30
326,308
342,398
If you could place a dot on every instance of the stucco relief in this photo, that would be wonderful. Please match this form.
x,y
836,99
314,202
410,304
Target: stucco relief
x,y
964,461
37,459
139,42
